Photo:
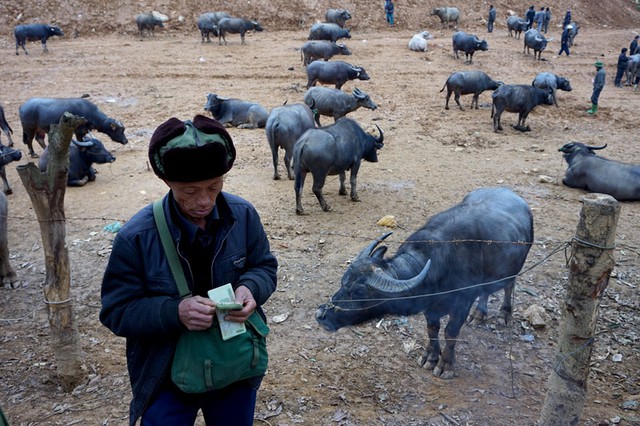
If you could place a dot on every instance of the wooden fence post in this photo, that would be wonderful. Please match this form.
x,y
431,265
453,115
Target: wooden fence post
x,y
46,191
590,267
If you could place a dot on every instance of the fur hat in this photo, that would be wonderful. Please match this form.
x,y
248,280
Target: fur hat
x,y
191,151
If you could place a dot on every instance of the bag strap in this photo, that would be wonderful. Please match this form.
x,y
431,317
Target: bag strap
x,y
170,250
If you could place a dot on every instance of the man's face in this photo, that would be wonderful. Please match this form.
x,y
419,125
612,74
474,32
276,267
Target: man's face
x,y
197,199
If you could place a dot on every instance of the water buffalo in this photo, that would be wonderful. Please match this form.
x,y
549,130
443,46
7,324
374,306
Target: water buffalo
x,y
516,25
333,72
598,174
536,41
467,82
321,49
148,22
336,103
337,16
631,71
4,126
447,15
38,114
439,270
236,112
468,43
207,27
236,26
418,42
6,271
550,81
7,155
332,150
519,98
284,126
32,32
328,31
573,32
82,156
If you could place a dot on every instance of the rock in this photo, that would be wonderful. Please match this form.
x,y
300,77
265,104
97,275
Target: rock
x,y
535,315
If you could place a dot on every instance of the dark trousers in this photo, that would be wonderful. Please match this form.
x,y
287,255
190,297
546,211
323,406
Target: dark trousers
x,y
490,26
564,47
595,95
619,74
233,405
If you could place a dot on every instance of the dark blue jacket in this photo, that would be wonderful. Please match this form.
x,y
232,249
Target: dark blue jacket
x,y
622,61
140,298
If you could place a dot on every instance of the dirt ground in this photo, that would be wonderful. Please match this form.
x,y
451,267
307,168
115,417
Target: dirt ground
x,y
432,157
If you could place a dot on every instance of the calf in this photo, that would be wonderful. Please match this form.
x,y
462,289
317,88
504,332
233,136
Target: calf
x,y
6,271
4,126
207,27
332,150
516,25
467,82
235,112
7,155
519,98
148,22
334,72
82,156
336,103
31,32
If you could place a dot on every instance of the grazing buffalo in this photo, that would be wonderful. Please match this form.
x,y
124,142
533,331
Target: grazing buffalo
x,y
236,26
519,98
32,32
516,25
439,270
467,82
284,126
6,271
328,31
38,114
468,43
7,155
337,16
333,72
4,126
536,41
332,150
148,22
82,156
207,27
336,103
418,42
551,82
447,15
235,112
321,49
598,174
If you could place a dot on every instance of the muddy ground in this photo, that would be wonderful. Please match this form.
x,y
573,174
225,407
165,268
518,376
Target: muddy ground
x,y
432,157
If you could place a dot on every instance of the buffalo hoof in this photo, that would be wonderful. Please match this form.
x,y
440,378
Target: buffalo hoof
x,y
300,212
477,317
276,177
8,191
527,129
327,208
443,374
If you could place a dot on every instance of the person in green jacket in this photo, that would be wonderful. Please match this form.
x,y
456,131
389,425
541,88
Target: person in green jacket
x,y
598,84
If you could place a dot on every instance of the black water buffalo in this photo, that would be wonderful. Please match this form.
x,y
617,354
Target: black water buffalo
x,y
4,126
336,103
550,81
598,174
333,72
321,49
207,27
32,32
447,15
328,31
337,16
236,112
148,22
236,26
284,126
332,150
467,82
439,270
468,43
573,32
7,155
6,271
536,41
516,25
38,114
631,71
519,98
82,156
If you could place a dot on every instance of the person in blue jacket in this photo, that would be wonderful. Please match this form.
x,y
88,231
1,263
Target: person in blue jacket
x,y
622,66
389,9
598,85
219,239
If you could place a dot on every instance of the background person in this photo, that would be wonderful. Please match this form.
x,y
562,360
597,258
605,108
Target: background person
x,y
598,84
547,19
389,9
491,18
622,66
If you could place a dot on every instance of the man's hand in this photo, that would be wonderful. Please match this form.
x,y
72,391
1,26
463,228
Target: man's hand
x,y
244,296
196,313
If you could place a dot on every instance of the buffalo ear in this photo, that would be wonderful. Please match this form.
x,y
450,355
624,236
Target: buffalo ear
x,y
113,125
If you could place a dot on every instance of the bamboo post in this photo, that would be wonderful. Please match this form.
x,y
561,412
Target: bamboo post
x,y
590,267
47,191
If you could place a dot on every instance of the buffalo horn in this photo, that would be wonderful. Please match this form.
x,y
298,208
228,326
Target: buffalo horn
x,y
369,249
381,138
384,283
85,143
357,93
597,147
